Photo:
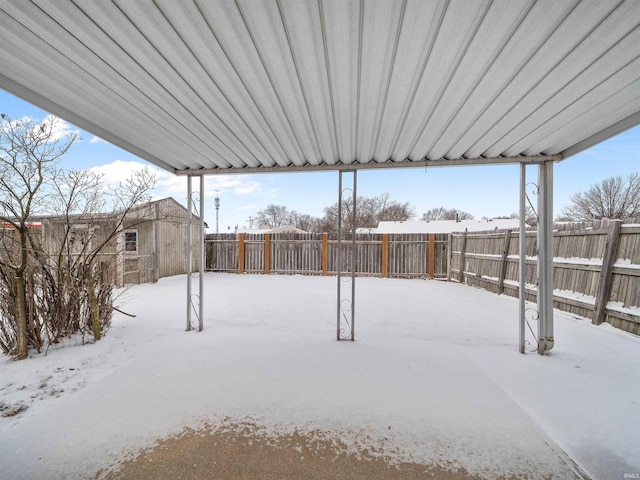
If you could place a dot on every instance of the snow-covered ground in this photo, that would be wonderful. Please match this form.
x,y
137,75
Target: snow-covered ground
x,y
434,376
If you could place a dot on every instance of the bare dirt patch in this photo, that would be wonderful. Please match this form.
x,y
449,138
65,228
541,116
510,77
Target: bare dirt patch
x,y
243,452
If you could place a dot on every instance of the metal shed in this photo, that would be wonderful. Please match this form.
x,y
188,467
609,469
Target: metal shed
x,y
218,86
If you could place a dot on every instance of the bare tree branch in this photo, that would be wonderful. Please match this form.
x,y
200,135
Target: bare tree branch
x,y
441,213
614,197
57,284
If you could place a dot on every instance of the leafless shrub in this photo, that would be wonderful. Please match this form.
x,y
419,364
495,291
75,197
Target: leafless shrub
x,y
55,281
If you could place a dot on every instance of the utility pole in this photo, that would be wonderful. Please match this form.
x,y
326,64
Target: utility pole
x,y
216,202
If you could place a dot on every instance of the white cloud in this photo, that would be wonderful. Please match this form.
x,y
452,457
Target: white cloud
x,y
118,171
95,139
170,185
271,193
246,188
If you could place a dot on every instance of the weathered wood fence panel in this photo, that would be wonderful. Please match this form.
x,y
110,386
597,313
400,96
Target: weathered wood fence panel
x,y
596,270
408,255
415,255
254,253
221,251
625,281
296,253
418,255
487,260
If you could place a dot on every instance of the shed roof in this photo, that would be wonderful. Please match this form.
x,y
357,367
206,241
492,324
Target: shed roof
x,y
262,86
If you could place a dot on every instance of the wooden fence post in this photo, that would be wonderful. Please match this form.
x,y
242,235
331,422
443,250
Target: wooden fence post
x,y
431,266
325,253
384,268
241,256
266,254
449,255
503,261
604,279
463,249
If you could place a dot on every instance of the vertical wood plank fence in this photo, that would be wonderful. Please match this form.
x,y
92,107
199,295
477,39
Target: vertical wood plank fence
x,y
381,255
596,268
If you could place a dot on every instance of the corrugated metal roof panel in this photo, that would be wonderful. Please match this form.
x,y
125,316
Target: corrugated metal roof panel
x,y
221,86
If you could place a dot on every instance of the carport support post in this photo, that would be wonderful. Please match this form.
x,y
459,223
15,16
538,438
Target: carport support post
x,y
189,249
522,293
354,231
201,274
339,255
190,254
545,257
352,261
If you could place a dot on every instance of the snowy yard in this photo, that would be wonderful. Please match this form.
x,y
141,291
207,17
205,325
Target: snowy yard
x,y
434,376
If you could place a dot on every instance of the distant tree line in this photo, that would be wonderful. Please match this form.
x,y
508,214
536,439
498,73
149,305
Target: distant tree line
x,y
615,197
369,212
442,213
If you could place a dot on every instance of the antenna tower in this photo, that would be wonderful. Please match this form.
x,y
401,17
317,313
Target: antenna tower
x,y
216,202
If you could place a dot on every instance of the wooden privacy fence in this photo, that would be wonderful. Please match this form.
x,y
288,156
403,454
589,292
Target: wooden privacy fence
x,y
596,268
383,255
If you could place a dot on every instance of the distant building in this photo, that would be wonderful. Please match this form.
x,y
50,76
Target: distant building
x,y
446,226
151,243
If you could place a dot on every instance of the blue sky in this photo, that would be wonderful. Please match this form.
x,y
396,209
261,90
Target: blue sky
x,y
482,191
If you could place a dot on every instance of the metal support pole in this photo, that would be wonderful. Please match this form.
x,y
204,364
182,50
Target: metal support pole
x,y
201,275
191,307
522,293
354,253
545,257
339,254
346,306
189,251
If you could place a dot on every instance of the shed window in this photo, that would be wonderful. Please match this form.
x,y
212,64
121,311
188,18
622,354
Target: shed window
x,y
131,241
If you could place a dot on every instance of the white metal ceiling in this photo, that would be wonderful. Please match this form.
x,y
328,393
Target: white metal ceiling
x,y
221,86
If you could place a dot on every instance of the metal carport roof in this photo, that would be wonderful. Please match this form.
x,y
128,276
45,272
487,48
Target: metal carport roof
x,y
220,86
